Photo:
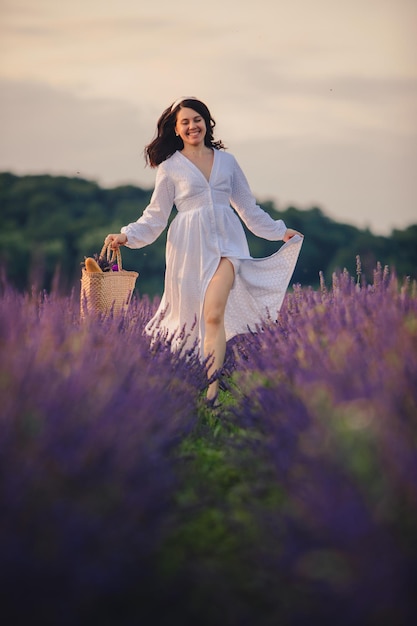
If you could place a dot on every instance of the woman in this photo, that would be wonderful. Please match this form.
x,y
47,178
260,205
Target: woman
x,y
213,288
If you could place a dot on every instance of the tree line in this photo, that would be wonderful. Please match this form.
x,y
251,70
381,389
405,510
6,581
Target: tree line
x,y
49,224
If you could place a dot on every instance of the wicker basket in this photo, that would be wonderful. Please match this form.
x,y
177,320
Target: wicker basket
x,y
107,292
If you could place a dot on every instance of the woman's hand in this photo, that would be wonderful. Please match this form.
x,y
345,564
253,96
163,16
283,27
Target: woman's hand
x,y
115,240
290,233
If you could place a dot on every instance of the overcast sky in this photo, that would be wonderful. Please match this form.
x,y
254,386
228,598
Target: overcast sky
x,y
317,99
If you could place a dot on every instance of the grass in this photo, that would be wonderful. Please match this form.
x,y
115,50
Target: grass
x,y
217,524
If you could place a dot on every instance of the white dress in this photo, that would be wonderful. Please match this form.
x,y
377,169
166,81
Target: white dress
x,y
205,229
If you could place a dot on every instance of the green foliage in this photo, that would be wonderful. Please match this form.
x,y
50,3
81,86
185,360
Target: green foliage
x,y
48,224
217,518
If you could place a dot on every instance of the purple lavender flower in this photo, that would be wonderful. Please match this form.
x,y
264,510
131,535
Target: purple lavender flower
x,y
121,496
90,422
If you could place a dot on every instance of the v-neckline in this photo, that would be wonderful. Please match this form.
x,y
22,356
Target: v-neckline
x,y
198,169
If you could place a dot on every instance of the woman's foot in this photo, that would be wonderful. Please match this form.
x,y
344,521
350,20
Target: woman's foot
x,y
213,403
213,391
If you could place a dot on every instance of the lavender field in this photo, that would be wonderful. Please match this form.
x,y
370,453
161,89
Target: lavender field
x,y
127,502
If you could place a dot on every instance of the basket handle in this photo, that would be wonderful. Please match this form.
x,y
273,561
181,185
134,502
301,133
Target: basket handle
x,y
112,255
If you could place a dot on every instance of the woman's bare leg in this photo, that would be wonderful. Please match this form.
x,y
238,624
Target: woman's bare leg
x,y
214,307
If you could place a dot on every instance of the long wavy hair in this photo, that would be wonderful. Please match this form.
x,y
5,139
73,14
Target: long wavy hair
x,y
166,141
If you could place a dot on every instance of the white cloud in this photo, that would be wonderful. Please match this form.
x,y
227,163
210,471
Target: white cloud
x,y
49,130
360,183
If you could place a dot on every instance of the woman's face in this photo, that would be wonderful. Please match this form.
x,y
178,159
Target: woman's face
x,y
191,127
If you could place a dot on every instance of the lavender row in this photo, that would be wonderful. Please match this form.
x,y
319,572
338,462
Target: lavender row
x,y
90,419
331,393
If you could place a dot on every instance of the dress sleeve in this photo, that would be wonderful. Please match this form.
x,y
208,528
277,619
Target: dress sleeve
x,y
155,217
255,218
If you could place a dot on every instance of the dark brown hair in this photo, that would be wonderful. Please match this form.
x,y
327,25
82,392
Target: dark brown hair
x,y
166,142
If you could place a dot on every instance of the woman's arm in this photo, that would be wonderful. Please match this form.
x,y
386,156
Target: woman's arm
x,y
154,218
255,218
